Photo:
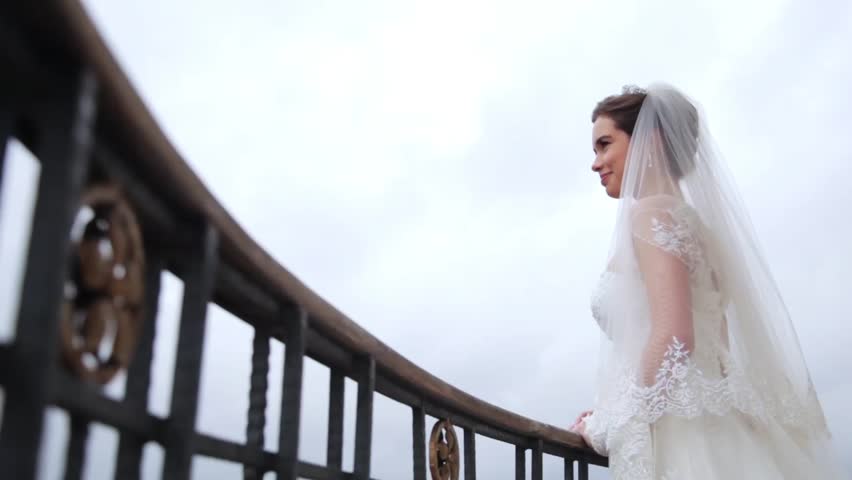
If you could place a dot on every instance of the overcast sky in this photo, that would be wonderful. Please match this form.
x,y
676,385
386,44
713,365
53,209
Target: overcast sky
x,y
425,166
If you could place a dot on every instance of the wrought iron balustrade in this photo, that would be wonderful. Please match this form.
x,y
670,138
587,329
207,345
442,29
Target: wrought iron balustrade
x,y
116,206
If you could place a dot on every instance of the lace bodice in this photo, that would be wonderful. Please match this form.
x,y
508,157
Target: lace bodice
x,y
690,379
675,232
678,232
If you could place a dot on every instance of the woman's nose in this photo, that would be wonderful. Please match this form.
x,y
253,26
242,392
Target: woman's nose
x,y
596,165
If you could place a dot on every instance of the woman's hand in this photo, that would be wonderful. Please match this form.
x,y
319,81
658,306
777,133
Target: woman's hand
x,y
579,426
580,429
580,419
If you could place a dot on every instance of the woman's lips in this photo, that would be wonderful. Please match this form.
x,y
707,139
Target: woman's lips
x,y
605,178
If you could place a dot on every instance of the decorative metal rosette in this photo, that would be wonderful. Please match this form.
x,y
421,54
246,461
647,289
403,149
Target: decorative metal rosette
x,y
444,451
102,312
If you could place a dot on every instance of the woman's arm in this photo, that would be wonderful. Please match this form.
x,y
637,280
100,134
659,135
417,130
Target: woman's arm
x,y
665,272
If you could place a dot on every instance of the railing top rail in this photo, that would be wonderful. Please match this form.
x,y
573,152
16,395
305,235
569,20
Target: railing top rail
x,y
64,31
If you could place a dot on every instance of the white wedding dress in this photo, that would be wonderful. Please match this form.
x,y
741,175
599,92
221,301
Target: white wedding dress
x,y
701,414
701,375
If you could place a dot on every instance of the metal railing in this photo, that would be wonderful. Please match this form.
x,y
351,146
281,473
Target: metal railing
x,y
116,206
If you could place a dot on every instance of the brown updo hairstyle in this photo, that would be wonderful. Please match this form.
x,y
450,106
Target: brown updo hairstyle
x,y
624,109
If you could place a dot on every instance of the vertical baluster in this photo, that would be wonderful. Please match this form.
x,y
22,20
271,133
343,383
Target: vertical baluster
x,y
520,463
418,434
469,454
334,449
569,468
291,397
257,401
583,469
198,288
537,454
6,124
364,420
75,456
129,461
65,141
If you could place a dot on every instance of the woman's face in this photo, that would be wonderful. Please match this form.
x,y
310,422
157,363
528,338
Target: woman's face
x,y
610,146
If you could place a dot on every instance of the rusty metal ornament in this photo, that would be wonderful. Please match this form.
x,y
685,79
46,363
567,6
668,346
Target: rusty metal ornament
x,y
101,314
444,451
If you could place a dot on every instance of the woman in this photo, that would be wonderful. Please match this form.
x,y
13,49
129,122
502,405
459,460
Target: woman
x,y
701,374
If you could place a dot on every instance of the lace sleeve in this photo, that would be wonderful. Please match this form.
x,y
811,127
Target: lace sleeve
x,y
597,434
667,250
669,230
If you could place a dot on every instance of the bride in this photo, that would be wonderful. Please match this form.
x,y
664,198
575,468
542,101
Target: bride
x,y
701,375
